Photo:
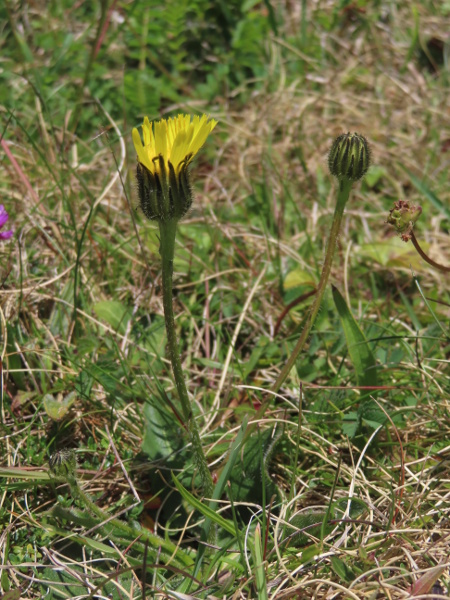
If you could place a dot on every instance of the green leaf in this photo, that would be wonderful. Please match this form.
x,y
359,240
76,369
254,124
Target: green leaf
x,y
261,355
298,277
206,511
227,470
310,553
165,443
162,437
13,360
351,424
309,524
16,473
371,414
114,313
70,584
357,507
247,475
260,574
393,253
107,374
358,348
57,409
341,569
373,175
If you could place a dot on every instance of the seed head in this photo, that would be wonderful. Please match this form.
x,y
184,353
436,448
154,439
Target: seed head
x,y
349,157
63,463
403,217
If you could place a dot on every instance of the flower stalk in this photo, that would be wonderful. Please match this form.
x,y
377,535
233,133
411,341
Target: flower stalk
x,y
165,196
343,195
348,161
167,230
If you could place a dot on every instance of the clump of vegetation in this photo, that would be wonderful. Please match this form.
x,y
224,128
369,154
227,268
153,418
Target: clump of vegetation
x,y
246,394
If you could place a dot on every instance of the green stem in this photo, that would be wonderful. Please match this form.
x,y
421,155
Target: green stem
x,y
168,230
154,540
343,195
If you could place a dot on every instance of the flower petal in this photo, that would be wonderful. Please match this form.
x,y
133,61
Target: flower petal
x,y
3,215
174,139
142,155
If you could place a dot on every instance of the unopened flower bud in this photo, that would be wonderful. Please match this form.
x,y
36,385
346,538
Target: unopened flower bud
x,y
403,216
349,157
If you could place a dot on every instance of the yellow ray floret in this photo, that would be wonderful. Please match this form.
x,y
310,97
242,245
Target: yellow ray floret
x,y
176,139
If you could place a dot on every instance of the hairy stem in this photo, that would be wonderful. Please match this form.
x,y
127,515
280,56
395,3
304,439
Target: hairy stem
x,y
425,257
168,230
343,195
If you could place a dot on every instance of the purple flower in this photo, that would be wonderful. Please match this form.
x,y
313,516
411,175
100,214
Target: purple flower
x,y
4,235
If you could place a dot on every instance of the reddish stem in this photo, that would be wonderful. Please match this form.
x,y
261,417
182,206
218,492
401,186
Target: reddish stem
x,y
426,258
290,306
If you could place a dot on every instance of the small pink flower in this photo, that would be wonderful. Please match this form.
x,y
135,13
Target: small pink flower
x,y
4,235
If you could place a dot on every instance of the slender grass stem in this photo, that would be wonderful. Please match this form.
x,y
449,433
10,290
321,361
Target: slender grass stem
x,y
425,257
343,195
168,230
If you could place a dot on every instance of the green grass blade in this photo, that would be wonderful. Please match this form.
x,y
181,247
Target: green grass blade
x,y
205,510
433,314
17,473
425,190
260,575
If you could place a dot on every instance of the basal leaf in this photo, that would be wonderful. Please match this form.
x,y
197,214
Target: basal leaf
x,y
247,475
57,409
358,348
298,277
162,432
341,569
114,313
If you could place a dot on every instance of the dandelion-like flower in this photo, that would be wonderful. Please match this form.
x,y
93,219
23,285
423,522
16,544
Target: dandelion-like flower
x,y
4,235
163,160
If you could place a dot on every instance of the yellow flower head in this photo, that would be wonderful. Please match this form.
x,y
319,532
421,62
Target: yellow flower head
x,y
177,140
162,171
